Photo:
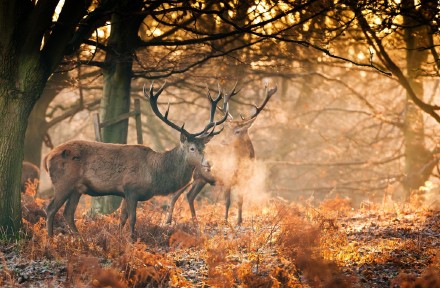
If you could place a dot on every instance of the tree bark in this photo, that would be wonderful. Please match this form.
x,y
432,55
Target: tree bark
x,y
16,104
21,79
25,66
417,156
117,82
13,111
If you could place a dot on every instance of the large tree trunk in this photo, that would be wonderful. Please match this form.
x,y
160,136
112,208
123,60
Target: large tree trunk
x,y
21,83
13,110
26,62
117,82
16,102
418,158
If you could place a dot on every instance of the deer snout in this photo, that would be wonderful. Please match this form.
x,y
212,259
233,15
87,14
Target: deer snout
x,y
206,165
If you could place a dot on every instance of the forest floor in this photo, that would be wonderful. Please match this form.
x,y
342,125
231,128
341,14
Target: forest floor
x,y
280,244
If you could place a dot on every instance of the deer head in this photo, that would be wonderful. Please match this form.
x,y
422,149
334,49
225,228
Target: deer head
x,y
192,144
236,133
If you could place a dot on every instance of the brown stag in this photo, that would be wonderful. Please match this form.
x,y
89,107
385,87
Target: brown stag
x,y
134,172
238,149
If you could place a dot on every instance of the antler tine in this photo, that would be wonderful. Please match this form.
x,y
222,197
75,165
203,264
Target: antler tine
x,y
167,111
227,98
212,123
258,109
152,98
212,132
158,92
214,102
145,93
220,92
233,92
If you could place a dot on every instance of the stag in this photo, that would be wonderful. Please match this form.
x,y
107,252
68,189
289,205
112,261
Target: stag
x,y
238,146
134,172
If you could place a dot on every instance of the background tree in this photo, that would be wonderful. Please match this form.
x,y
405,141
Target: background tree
x,y
117,75
417,24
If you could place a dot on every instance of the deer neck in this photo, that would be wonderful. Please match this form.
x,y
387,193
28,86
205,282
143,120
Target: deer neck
x,y
176,167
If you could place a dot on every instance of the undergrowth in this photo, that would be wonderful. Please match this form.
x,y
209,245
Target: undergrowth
x,y
280,244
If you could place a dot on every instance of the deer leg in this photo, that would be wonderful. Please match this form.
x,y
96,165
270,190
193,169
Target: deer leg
x,y
227,202
240,209
124,214
192,194
131,210
53,207
69,210
173,202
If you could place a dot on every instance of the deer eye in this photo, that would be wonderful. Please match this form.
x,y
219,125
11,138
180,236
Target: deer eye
x,y
192,149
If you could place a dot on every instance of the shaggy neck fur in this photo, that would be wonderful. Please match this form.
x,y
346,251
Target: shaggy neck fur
x,y
174,173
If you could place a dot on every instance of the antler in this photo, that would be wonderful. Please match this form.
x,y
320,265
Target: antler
x,y
152,97
227,98
224,109
269,94
258,109
209,130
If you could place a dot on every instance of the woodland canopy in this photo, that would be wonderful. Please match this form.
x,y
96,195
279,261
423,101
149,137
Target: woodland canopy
x,y
356,114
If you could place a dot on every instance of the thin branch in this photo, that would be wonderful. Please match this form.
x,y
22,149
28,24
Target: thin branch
x,y
328,164
89,106
194,64
377,44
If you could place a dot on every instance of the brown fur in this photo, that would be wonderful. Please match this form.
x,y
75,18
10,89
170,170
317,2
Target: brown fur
x,y
134,172
29,172
234,155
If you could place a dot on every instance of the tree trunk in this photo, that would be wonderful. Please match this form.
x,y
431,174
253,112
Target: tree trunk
x,y
37,125
117,82
417,156
36,129
21,83
13,111
16,102
26,62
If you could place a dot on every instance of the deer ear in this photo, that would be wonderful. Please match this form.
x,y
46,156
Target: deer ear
x,y
250,123
207,139
183,138
245,126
